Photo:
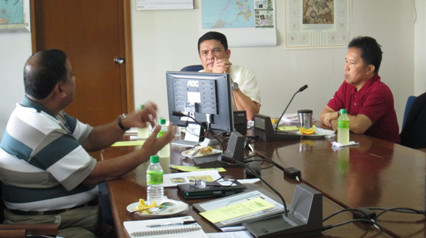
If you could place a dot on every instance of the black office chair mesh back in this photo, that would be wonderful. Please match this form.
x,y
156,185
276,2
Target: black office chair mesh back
x,y
413,132
1,204
195,67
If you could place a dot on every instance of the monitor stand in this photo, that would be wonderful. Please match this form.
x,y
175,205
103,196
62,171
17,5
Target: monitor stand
x,y
194,135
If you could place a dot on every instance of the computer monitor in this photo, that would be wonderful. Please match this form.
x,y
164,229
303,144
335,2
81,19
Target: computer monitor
x,y
203,96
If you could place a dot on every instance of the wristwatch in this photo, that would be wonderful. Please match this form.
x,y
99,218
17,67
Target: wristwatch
x,y
234,86
120,124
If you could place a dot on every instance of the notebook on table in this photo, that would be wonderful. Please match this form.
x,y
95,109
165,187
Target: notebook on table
x,y
165,228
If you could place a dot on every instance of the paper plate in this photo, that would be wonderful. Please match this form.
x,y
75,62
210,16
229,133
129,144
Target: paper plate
x,y
177,208
319,133
195,152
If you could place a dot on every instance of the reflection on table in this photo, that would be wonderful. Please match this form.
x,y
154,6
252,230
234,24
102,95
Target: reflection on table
x,y
374,174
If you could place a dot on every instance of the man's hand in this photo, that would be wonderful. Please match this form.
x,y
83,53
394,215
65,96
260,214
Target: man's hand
x,y
153,144
329,117
140,118
116,167
221,65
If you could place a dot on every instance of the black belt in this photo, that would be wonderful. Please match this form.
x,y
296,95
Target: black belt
x,y
94,202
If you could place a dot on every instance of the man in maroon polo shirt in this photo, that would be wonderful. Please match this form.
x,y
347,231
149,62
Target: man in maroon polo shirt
x,y
368,101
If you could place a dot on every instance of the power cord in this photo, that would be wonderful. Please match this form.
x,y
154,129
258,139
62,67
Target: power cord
x,y
289,172
266,183
373,223
397,209
367,215
357,213
364,215
180,114
360,215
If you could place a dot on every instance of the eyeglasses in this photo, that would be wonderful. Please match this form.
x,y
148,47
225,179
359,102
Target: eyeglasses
x,y
201,184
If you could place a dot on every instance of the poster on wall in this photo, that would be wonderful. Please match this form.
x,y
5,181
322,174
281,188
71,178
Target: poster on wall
x,y
14,15
318,23
244,22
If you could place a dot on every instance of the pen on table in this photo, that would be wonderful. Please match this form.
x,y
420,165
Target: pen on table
x,y
233,228
172,224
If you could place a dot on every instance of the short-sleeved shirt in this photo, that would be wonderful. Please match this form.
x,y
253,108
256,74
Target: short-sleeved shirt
x,y
374,100
42,162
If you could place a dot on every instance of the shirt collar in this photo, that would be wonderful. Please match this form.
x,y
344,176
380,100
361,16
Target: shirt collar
x,y
367,84
374,79
27,102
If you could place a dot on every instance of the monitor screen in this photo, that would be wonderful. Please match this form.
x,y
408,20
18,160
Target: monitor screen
x,y
203,96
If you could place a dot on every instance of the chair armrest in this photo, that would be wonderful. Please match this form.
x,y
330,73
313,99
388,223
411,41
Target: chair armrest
x,y
50,229
15,233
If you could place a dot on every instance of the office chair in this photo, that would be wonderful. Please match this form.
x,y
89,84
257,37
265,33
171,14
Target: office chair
x,y
410,101
414,130
24,230
195,67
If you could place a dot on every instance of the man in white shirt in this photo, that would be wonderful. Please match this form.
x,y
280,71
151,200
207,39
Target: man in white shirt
x,y
214,56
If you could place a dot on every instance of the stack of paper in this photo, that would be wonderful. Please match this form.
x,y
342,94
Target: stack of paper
x,y
165,228
290,118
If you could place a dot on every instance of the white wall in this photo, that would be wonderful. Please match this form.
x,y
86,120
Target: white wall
x,y
167,40
14,51
420,48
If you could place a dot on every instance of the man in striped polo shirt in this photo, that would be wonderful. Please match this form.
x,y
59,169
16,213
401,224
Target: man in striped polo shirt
x,y
46,171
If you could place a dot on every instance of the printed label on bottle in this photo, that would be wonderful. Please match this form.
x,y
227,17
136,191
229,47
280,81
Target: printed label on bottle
x,y
154,177
343,124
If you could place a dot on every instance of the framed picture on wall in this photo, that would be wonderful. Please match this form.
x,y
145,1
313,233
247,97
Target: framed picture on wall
x,y
318,23
14,16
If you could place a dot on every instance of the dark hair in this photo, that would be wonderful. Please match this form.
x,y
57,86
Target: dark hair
x,y
213,35
47,69
371,50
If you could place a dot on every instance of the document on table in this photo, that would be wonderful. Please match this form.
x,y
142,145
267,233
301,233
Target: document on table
x,y
234,234
184,168
128,143
290,118
243,207
237,210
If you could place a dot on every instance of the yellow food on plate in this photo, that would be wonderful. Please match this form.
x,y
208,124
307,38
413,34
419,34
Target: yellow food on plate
x,y
274,121
206,150
144,207
305,131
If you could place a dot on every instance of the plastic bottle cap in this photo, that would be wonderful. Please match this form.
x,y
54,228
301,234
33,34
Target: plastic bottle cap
x,y
162,121
342,111
154,159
